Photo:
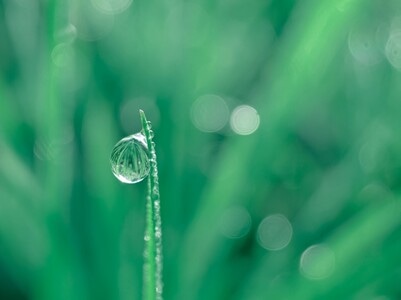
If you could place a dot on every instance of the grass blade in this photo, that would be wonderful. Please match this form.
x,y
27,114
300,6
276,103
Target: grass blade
x,y
153,285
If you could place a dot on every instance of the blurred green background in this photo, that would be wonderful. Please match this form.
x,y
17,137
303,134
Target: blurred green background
x,y
277,126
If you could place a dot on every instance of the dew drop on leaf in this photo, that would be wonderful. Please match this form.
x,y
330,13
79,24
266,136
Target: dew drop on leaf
x,y
129,159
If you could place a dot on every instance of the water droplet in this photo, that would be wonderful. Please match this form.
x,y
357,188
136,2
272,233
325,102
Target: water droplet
x,y
151,133
129,159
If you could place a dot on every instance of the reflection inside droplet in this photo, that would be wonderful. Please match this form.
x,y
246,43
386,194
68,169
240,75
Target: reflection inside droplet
x,y
129,159
209,113
244,120
235,222
317,262
274,232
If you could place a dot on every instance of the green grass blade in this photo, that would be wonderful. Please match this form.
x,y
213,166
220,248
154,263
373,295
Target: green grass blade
x,y
153,285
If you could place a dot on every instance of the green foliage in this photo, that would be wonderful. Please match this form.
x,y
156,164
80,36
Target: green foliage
x,y
324,77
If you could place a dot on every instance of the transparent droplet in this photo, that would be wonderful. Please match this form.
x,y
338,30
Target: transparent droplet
x,y
129,159
152,134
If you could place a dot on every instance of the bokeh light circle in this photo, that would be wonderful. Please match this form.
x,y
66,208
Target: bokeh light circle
x,y
63,55
393,50
111,6
274,232
90,23
235,222
67,34
209,113
244,120
317,262
362,43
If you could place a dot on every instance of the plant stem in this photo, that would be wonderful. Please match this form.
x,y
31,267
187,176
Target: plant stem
x,y
153,283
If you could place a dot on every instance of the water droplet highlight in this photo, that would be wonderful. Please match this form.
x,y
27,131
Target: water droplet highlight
x,y
129,159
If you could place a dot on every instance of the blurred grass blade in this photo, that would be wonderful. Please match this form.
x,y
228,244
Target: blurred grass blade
x,y
290,75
